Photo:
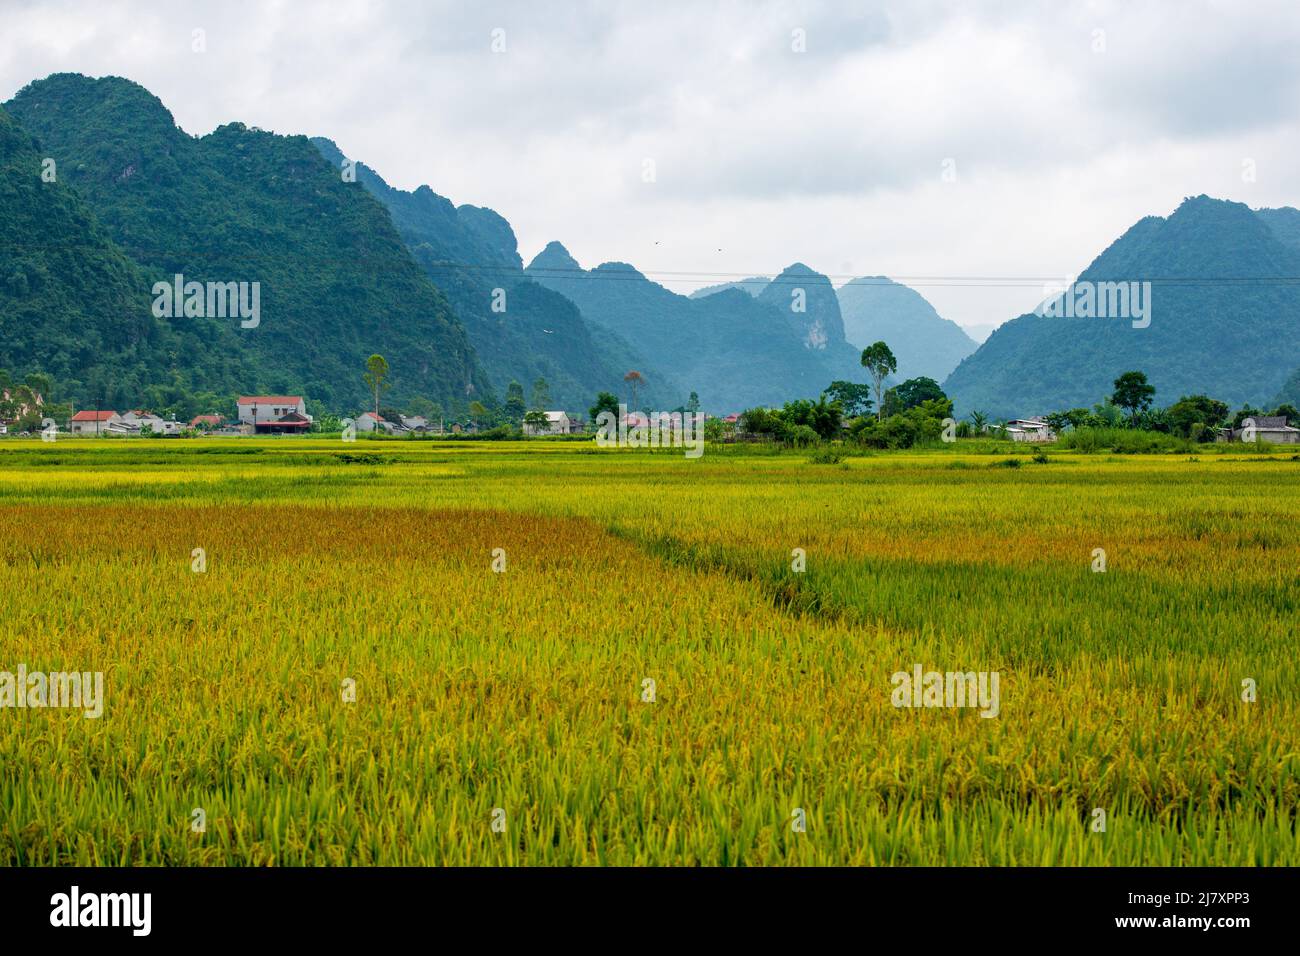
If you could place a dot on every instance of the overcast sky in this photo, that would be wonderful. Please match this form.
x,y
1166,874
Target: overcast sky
x,y
913,139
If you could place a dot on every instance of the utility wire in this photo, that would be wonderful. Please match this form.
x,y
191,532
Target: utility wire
x,y
680,276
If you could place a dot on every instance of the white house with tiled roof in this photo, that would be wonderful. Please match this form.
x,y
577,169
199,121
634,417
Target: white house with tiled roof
x,y
264,409
95,423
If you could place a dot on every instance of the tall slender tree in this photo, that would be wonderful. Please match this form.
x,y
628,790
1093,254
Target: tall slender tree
x,y
633,379
376,376
880,363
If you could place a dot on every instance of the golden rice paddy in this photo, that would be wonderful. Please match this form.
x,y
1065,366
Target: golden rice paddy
x,y
648,680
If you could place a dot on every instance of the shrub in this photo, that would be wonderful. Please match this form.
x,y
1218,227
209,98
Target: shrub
x,y
826,456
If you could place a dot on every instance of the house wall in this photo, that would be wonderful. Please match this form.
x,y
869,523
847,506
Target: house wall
x,y
267,412
1277,438
89,428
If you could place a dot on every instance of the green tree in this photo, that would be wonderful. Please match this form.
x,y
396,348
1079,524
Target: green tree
x,y
1195,416
376,376
1287,411
40,384
605,402
978,421
536,421
880,363
693,403
515,407
426,408
853,398
541,394
477,412
911,394
1133,393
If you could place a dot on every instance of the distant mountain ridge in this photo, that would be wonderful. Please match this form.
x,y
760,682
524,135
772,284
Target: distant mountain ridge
x,y
1225,319
347,268
240,204
871,309
754,286
734,350
877,309
520,329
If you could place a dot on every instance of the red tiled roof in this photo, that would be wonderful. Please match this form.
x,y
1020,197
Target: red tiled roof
x,y
378,418
93,416
270,399
210,419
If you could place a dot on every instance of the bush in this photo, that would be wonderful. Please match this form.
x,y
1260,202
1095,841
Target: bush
x,y
801,436
826,456
1125,441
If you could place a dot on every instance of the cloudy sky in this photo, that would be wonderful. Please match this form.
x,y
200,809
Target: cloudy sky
x,y
937,142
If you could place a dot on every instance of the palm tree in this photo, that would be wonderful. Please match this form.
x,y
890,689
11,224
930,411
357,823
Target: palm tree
x,y
978,421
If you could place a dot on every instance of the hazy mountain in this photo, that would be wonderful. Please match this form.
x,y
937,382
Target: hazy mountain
x,y
730,348
1225,320
754,286
808,302
240,204
980,331
877,309
524,331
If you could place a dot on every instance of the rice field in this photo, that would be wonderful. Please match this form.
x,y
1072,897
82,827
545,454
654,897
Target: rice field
x,y
411,653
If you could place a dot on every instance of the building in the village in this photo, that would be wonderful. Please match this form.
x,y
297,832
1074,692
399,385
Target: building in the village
x,y
96,423
557,423
273,414
372,422
1029,429
1262,428
143,422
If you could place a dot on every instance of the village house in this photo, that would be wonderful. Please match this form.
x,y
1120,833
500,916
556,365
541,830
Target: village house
x,y
372,422
557,423
1267,428
137,421
1029,429
206,422
96,423
273,414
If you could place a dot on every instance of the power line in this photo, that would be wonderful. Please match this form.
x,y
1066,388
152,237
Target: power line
x,y
683,276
